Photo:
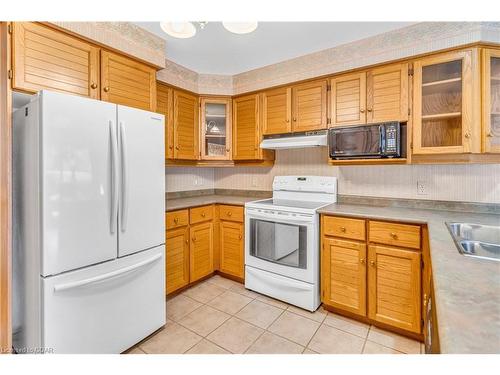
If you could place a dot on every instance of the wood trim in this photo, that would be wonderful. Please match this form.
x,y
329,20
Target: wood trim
x,y
5,192
229,126
487,54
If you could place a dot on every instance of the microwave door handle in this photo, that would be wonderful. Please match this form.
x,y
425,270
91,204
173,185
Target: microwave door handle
x,y
382,140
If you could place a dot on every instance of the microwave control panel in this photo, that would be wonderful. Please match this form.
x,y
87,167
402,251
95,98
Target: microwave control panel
x,y
391,134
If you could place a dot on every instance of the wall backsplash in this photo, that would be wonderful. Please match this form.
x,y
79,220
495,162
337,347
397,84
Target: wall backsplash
x,y
468,183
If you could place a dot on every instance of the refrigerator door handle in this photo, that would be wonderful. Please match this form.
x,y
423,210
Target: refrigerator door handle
x,y
114,177
106,276
124,195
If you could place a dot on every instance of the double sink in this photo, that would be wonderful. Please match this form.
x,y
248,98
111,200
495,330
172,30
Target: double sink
x,y
476,240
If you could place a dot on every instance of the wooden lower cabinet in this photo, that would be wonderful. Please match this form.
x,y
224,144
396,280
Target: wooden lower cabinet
x,y
394,292
177,259
369,277
201,262
232,256
343,270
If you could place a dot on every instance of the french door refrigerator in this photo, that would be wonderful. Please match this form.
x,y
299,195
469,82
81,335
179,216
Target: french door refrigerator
x,y
89,232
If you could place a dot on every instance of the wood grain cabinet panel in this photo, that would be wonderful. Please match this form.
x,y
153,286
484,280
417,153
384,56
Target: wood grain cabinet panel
x,y
277,111
200,214
403,235
344,227
177,259
387,93
201,262
246,128
231,213
175,219
128,82
343,270
348,99
232,258
491,101
309,106
164,105
186,126
44,58
394,287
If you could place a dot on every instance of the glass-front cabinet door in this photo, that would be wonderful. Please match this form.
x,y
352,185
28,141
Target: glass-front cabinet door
x,y
444,117
491,100
215,128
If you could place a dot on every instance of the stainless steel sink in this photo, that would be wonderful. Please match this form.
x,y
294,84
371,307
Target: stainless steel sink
x,y
475,240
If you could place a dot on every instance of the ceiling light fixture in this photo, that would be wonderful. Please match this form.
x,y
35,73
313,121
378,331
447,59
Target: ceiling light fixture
x,y
181,30
240,27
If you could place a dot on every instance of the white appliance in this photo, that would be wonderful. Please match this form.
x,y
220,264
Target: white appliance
x,y
282,239
89,234
287,141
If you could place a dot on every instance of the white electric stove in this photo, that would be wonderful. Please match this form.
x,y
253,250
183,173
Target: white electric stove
x,y
282,239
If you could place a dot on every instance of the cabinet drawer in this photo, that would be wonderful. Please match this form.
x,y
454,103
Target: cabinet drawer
x,y
403,235
176,219
232,213
200,214
344,227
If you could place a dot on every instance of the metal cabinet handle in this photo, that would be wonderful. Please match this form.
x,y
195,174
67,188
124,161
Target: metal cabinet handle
x,y
240,237
287,120
362,261
229,213
106,88
394,236
490,134
372,263
176,147
362,110
176,220
425,299
369,110
228,149
187,242
203,214
467,134
342,229
93,86
170,147
194,239
295,119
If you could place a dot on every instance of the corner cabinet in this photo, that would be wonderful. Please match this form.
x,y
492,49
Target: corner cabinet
x,y
127,81
185,126
491,101
446,103
215,132
44,58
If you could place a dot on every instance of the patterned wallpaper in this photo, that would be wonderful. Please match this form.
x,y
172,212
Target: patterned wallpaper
x,y
468,183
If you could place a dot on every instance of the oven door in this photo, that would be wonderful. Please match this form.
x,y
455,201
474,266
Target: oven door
x,y
355,142
281,243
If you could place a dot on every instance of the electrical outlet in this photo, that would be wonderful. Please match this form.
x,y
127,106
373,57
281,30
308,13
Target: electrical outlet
x,y
421,188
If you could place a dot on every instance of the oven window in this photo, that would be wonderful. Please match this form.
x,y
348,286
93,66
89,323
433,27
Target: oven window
x,y
280,243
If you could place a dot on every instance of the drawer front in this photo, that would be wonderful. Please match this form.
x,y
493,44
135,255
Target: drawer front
x,y
200,214
231,213
176,219
403,235
344,227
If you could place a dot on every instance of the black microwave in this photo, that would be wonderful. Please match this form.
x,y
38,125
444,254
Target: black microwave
x,y
385,140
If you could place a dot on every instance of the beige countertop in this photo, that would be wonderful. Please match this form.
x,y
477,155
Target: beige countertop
x,y
467,290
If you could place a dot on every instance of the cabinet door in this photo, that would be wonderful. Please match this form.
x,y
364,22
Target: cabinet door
x,y
277,111
164,105
232,259
43,58
491,100
387,93
343,270
201,257
348,99
246,128
445,120
177,259
309,106
394,287
215,129
127,82
186,129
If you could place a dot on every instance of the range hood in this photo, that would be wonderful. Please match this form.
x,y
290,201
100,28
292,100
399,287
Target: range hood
x,y
295,140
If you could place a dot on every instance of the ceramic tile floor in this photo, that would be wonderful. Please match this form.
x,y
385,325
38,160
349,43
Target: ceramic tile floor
x,y
220,316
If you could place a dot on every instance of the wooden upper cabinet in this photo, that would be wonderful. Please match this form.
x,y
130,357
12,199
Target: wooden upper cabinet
x,y
394,287
177,259
348,99
246,128
128,82
215,128
445,116
164,105
232,258
491,100
343,275
277,111
309,106
387,93
186,126
43,58
202,251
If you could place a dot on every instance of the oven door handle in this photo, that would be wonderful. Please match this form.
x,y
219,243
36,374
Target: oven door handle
x,y
277,218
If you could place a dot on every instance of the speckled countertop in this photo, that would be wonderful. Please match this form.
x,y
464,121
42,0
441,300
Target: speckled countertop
x,y
467,290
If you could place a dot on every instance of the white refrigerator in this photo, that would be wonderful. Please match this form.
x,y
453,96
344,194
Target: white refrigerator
x,y
89,225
